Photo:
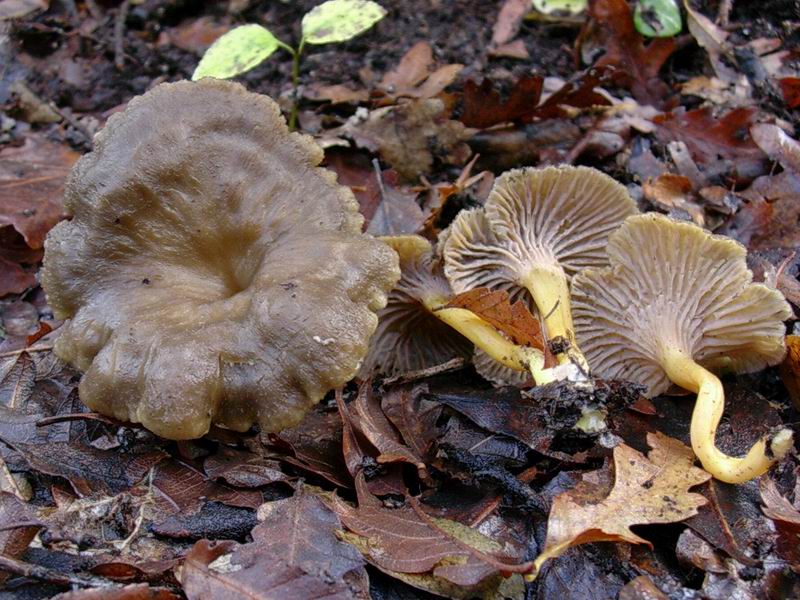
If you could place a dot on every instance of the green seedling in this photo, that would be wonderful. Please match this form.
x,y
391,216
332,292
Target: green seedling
x,y
571,7
246,47
657,18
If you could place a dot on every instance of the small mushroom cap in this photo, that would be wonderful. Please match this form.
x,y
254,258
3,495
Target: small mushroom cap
x,y
211,272
674,285
551,217
497,373
409,337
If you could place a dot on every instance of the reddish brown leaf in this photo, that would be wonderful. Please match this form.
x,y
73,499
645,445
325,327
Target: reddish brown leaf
x,y
484,107
136,591
194,35
721,145
88,469
514,320
17,532
670,192
509,21
790,368
787,522
31,184
637,63
294,554
790,87
414,76
399,540
415,417
181,489
243,469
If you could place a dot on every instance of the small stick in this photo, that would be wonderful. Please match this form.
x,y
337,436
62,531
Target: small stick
x,y
24,350
24,569
724,13
119,34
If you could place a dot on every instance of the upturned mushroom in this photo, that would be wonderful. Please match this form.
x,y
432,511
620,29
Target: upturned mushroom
x,y
538,228
675,304
417,328
211,272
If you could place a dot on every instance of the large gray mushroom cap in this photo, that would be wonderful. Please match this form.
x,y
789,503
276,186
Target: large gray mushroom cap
x,y
674,285
212,272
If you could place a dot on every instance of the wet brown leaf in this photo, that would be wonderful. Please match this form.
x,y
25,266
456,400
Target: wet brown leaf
x,y
88,469
400,542
790,88
720,144
790,368
397,211
294,554
15,536
674,192
647,490
495,307
638,63
194,35
786,518
136,591
31,184
243,469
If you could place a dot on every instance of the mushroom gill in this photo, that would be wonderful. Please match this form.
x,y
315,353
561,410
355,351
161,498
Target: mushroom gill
x,y
675,304
211,272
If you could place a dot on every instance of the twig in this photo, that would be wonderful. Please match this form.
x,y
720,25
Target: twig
x,y
24,569
451,365
88,416
724,13
119,34
24,350
21,524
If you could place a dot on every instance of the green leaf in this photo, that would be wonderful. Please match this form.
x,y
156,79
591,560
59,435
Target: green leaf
x,y
549,7
657,18
340,20
237,51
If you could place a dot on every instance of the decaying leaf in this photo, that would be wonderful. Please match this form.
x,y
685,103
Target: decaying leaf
x,y
646,490
637,62
495,307
410,135
719,144
294,554
420,551
31,184
787,522
790,368
674,192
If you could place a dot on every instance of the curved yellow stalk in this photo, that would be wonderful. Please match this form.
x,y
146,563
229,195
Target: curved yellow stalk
x,y
488,339
550,291
708,408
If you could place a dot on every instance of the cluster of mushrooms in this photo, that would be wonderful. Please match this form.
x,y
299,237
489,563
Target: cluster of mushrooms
x,y
213,273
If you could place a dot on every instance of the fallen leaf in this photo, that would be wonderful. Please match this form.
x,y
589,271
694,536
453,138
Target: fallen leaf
x,y
720,145
790,88
294,554
400,542
194,35
637,63
674,192
17,528
31,185
335,94
495,307
179,488
397,211
786,518
136,591
509,20
778,145
415,77
16,9
790,368
714,41
214,520
88,469
646,490
243,469
411,135
414,416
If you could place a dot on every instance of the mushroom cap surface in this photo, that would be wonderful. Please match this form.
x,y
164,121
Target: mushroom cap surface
x,y
409,337
497,373
212,272
552,217
674,285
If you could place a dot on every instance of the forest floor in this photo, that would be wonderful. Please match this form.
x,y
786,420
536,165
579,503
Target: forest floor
x,y
423,485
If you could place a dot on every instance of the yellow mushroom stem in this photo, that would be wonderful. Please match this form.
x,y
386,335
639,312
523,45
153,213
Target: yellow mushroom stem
x,y
685,372
550,290
487,338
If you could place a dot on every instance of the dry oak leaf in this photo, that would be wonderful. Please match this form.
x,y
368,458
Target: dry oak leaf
x,y
31,185
495,307
647,490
